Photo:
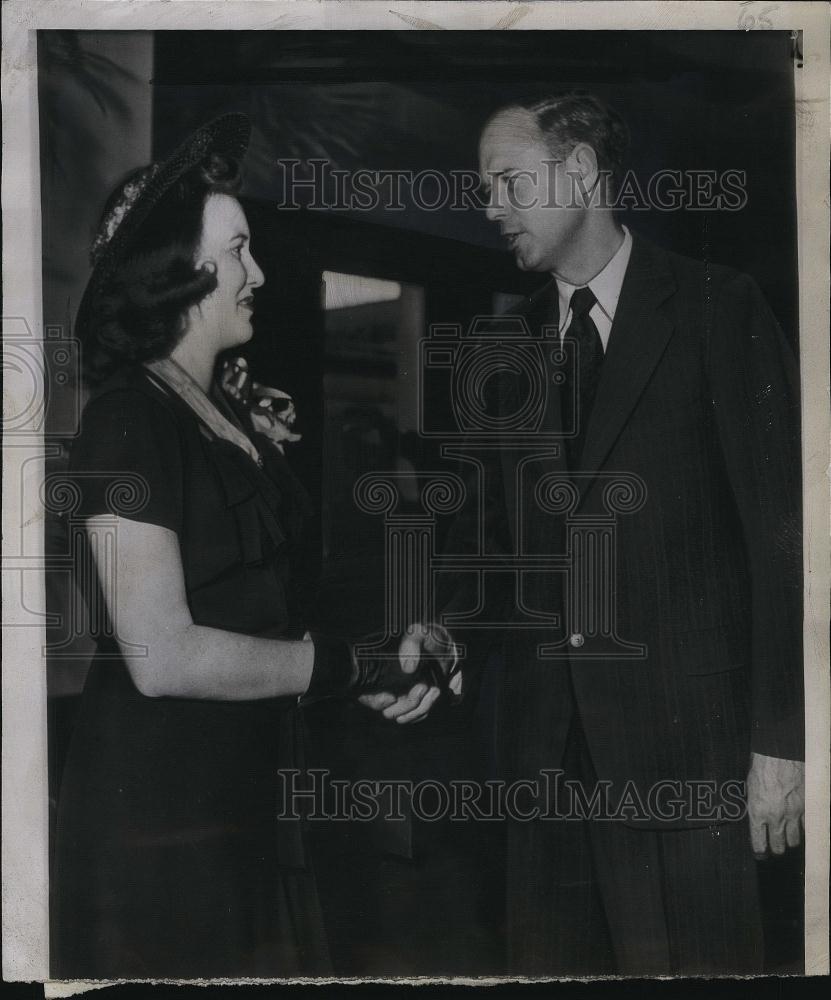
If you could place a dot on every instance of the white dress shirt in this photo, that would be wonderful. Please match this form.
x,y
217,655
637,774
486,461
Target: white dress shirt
x,y
606,288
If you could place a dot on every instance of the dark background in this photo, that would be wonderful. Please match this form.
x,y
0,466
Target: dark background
x,y
692,100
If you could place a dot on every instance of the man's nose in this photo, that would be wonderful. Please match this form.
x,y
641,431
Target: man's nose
x,y
493,212
495,208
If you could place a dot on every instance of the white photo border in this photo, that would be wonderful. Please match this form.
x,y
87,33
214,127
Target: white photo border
x,y
24,740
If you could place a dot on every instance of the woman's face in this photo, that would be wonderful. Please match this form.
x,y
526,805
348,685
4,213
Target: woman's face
x,y
224,247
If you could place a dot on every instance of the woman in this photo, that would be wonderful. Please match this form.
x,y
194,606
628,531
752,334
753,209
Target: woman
x,y
169,859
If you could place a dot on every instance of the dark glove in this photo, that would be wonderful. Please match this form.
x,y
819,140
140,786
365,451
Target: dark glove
x,y
339,673
333,672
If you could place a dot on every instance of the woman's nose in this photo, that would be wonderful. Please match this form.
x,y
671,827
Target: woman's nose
x,y
255,274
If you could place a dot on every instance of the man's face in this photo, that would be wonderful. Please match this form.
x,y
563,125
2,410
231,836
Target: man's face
x,y
530,190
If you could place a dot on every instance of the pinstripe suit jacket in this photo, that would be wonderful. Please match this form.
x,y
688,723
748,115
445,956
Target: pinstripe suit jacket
x,y
697,406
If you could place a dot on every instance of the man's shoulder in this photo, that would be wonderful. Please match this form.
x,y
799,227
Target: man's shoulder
x,y
692,275
699,290
683,267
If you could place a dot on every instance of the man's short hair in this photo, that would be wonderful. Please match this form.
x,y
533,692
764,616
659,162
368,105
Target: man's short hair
x,y
577,116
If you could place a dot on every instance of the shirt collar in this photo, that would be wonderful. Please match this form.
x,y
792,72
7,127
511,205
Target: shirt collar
x,y
605,285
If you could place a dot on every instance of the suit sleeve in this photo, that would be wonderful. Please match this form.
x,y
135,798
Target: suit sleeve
x,y
753,377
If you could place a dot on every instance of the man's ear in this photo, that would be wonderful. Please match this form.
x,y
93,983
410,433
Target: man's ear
x,y
584,163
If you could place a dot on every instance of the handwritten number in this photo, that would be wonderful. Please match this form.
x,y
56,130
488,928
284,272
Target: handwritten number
x,y
748,21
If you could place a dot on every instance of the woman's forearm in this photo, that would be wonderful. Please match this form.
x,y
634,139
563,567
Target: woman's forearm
x,y
147,601
207,663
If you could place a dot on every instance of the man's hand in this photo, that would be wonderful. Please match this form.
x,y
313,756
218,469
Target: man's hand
x,y
775,803
417,702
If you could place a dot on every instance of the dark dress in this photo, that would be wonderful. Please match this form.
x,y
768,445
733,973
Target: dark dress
x,y
169,858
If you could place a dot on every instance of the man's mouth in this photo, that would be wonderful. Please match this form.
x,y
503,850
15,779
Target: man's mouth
x,y
511,239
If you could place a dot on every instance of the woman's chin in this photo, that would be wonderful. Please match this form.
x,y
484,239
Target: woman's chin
x,y
241,335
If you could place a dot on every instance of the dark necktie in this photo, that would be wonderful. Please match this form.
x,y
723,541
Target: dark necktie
x,y
578,393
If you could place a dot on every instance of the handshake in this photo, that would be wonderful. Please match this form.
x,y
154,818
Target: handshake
x,y
402,680
407,686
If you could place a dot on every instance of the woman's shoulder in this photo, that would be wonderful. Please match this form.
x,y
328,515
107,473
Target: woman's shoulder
x,y
132,401
128,386
128,415
131,446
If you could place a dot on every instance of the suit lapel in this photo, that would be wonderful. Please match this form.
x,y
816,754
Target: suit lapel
x,y
639,335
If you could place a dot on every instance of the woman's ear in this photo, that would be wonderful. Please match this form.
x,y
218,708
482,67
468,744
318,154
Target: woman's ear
x,y
207,264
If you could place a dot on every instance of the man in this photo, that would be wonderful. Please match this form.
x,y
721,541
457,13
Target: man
x,y
683,389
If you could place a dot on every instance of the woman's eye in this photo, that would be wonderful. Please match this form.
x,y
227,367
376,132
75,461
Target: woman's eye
x,y
236,251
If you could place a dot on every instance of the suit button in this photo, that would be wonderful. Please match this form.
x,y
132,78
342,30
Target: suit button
x,y
576,640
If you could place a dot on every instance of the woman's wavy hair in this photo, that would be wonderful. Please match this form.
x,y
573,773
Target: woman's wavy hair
x,y
139,313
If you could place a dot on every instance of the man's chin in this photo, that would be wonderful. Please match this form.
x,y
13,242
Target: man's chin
x,y
526,263
521,260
